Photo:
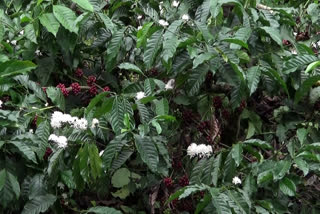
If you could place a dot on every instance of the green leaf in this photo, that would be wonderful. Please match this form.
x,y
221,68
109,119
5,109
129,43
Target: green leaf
x,y
288,187
25,150
259,143
144,113
298,62
39,204
264,177
216,169
143,34
169,47
152,48
243,34
305,87
148,151
162,106
198,60
253,77
130,67
30,33
237,153
204,30
238,202
15,67
95,101
103,210
192,189
302,165
2,178
220,201
280,169
120,107
237,42
56,97
54,160
312,66
66,17
111,150
121,158
120,178
196,78
114,49
149,86
94,161
10,189
273,33
85,4
50,23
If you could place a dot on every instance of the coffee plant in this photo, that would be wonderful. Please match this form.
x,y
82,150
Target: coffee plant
x,y
136,106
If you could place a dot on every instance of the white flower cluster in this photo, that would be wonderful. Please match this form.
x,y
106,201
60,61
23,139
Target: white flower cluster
x,y
60,140
95,123
185,17
236,180
140,95
175,3
1,103
163,23
170,84
58,119
13,42
201,150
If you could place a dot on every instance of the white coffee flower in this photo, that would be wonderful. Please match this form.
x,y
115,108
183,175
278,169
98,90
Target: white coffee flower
x,y
295,33
139,17
38,53
175,3
8,41
56,119
1,103
21,32
294,51
64,195
14,42
185,17
236,180
163,23
81,124
46,104
170,84
201,150
31,131
60,185
95,122
101,153
139,27
61,141
140,95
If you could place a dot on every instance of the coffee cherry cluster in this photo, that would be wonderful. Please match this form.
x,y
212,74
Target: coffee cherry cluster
x,y
217,102
93,90
79,73
47,153
91,80
203,126
154,72
34,121
63,89
168,182
225,114
106,88
242,106
286,42
184,181
75,88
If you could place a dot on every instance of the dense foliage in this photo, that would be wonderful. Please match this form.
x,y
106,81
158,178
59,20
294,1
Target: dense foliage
x,y
136,106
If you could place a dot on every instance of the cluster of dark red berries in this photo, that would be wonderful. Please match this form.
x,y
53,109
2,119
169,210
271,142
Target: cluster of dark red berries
x,y
91,80
302,36
47,153
154,72
63,89
204,125
75,88
106,88
176,164
34,121
217,102
242,106
93,90
79,73
184,181
168,182
188,116
225,114
286,42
